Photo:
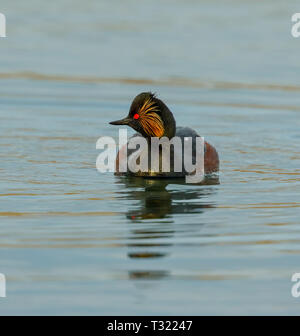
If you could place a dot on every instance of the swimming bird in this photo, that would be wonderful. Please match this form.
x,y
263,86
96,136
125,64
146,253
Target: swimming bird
x,y
150,117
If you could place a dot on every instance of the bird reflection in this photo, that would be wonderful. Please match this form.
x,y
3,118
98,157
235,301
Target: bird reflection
x,y
157,202
152,229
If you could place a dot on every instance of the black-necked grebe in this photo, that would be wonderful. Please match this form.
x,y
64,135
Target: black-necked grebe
x,y
150,117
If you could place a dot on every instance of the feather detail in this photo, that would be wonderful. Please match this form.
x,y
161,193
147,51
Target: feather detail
x,y
150,120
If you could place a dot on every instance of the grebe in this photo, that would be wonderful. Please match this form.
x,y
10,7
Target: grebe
x,y
151,117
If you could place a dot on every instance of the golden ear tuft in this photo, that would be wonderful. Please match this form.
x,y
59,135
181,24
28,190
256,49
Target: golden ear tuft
x,y
150,120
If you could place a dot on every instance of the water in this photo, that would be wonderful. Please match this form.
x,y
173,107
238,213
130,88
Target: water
x,y
74,241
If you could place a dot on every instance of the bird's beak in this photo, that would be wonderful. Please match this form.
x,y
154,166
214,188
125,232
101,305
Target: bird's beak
x,y
124,121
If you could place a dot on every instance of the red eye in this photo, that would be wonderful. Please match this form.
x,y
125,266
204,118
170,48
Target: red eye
x,y
136,116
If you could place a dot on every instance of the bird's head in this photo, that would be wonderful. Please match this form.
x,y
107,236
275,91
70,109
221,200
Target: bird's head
x,y
149,116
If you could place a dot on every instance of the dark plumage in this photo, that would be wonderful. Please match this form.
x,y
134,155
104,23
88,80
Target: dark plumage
x,y
150,117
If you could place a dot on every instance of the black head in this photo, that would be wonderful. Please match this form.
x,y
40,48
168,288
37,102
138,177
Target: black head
x,y
149,116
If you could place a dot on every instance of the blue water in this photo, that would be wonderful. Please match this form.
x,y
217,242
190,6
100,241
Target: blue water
x,y
74,241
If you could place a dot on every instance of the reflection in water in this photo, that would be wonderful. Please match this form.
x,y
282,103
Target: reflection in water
x,y
152,224
157,202
154,275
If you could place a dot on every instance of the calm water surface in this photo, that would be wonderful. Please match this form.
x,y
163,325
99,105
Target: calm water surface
x,y
74,241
